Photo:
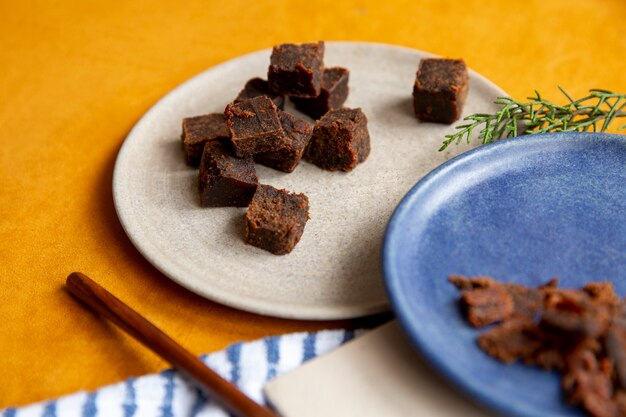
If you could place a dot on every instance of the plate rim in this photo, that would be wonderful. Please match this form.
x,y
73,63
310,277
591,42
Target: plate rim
x,y
263,307
399,303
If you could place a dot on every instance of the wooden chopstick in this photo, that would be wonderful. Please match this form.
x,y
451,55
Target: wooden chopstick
x,y
109,306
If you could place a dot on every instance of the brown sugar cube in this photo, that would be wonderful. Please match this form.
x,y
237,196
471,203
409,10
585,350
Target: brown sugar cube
x,y
199,130
254,126
296,70
340,140
275,219
259,87
334,93
298,133
224,180
440,90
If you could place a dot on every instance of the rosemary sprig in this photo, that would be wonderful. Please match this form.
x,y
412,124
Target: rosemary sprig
x,y
593,112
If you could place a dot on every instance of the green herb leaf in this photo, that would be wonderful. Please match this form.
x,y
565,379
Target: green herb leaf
x,y
540,116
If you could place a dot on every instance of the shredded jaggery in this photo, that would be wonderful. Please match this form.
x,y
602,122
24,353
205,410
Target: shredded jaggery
x,y
580,333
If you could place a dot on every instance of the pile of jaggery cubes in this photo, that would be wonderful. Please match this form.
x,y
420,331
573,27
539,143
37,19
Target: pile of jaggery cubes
x,y
254,128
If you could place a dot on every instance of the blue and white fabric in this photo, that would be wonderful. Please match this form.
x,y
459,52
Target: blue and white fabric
x,y
169,394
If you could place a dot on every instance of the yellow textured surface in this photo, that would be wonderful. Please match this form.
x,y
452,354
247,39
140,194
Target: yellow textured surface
x,y
76,75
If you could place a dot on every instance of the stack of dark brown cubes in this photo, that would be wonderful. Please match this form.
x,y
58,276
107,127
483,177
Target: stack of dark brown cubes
x,y
254,128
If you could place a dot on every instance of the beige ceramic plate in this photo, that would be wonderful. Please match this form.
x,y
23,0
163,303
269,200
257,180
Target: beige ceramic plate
x,y
334,272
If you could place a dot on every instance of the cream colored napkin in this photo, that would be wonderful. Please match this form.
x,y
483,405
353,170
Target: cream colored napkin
x,y
376,375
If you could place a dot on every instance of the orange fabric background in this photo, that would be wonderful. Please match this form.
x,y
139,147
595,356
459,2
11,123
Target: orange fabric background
x,y
76,75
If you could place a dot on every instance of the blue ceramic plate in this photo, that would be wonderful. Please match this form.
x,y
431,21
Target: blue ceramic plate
x,y
522,210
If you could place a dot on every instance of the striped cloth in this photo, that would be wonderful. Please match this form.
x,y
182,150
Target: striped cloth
x,y
169,394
